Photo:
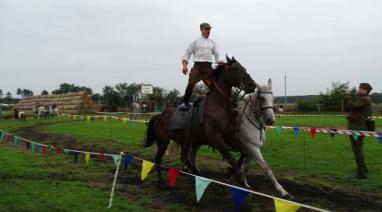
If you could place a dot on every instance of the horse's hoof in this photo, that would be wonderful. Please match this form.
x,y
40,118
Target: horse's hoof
x,y
288,197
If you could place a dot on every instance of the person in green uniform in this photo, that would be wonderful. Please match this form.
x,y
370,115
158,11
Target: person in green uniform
x,y
359,113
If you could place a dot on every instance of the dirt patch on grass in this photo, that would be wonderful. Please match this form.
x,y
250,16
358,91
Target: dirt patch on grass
x,y
216,198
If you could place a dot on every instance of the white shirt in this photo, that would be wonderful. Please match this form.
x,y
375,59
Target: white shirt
x,y
202,50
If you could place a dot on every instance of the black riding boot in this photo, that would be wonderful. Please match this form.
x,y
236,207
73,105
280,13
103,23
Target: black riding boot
x,y
186,98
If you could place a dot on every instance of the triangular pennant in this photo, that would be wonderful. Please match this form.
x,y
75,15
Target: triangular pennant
x,y
380,139
200,186
278,129
27,145
146,167
116,159
33,147
282,206
296,131
355,135
313,132
43,149
87,158
15,140
75,157
51,149
88,118
101,156
127,161
172,173
66,151
332,132
238,197
58,151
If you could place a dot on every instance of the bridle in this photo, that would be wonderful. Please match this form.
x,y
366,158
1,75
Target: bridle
x,y
258,114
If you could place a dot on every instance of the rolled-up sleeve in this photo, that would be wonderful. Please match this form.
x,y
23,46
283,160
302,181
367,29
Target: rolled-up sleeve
x,y
188,52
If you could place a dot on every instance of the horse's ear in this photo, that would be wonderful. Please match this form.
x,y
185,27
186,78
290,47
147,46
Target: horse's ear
x,y
269,83
233,59
228,60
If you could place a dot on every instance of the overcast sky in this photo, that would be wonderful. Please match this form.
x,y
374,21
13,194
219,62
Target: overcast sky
x,y
96,43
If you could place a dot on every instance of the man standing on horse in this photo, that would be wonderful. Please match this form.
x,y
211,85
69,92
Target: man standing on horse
x,y
359,118
202,50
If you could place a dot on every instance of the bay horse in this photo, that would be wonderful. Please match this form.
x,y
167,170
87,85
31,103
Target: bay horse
x,y
257,113
215,128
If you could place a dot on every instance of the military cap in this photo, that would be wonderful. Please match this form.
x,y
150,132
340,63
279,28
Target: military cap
x,y
366,86
205,26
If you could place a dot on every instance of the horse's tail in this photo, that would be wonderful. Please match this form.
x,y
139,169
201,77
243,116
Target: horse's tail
x,y
150,134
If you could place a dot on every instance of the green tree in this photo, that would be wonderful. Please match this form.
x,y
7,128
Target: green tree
x,y
331,100
1,94
66,88
44,92
127,91
157,96
172,97
111,97
27,92
19,92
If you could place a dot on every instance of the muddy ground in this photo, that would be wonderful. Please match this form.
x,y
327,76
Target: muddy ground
x,y
216,197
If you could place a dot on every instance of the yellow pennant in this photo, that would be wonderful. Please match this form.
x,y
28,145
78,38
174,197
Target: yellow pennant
x,y
282,206
87,158
105,118
146,167
88,118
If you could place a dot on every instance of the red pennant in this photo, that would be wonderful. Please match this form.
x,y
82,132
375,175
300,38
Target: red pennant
x,y
58,151
101,156
43,149
172,174
312,132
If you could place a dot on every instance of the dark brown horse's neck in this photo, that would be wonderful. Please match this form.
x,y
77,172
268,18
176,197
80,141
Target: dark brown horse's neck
x,y
221,95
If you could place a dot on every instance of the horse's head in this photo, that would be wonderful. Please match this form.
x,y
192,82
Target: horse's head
x,y
237,76
264,102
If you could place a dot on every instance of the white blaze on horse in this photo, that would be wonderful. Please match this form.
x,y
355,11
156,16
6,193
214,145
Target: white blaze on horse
x,y
257,113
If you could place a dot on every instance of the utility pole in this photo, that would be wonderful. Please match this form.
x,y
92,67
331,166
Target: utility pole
x,y
285,91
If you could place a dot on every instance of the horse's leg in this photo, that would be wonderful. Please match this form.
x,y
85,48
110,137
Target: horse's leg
x,y
192,158
162,146
223,149
263,164
229,172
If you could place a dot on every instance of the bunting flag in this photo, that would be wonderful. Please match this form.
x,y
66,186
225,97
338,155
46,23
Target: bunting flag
x,y
172,173
75,157
43,149
278,129
355,135
200,186
238,197
33,147
52,150
282,206
127,161
27,145
116,159
88,118
313,132
105,118
66,151
58,151
296,131
146,167
15,140
101,156
87,158
333,132
380,139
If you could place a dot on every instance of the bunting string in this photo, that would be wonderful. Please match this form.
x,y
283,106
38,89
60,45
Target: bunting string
x,y
240,193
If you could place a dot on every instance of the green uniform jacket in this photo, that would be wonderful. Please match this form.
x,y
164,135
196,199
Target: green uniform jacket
x,y
359,109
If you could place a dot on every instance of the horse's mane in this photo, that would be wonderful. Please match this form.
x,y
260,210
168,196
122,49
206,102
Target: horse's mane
x,y
217,71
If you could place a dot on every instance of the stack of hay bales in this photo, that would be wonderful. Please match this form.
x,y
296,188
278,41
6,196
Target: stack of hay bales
x,y
70,103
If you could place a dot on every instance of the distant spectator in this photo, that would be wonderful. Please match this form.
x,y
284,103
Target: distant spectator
x,y
281,108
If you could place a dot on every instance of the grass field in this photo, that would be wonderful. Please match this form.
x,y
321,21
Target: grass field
x,y
321,162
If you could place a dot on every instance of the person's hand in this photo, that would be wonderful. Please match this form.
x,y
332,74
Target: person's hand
x,y
185,69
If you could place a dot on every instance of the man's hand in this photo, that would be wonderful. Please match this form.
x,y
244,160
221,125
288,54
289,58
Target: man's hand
x,y
185,69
